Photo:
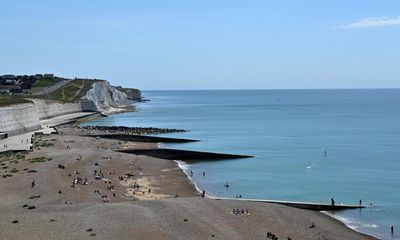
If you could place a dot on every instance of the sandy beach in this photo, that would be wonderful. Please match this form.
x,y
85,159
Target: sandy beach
x,y
76,187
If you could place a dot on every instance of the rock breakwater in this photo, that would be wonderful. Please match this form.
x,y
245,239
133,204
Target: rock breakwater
x,y
133,130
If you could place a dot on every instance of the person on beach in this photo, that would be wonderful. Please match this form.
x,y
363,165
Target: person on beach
x,y
391,230
332,202
360,202
191,173
204,174
312,225
226,184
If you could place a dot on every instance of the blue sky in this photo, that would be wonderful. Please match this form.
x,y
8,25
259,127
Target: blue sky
x,y
207,44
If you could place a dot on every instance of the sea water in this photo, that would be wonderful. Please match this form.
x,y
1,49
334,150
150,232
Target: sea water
x,y
309,145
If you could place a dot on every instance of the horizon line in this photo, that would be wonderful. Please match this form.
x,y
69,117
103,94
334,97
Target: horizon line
x,y
261,89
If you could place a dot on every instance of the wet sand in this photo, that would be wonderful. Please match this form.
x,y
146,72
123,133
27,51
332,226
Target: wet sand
x,y
54,209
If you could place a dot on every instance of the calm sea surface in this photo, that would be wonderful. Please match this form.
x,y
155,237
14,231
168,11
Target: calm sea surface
x,y
288,131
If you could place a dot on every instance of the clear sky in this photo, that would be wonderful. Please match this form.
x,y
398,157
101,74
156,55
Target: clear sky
x,y
206,44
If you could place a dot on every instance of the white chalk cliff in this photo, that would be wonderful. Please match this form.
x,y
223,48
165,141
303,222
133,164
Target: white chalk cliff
x,y
102,97
106,97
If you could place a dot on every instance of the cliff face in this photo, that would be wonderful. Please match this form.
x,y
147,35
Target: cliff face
x,y
133,93
108,98
101,97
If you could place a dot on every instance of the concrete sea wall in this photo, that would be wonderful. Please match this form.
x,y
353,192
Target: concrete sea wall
x,y
47,111
23,118
19,119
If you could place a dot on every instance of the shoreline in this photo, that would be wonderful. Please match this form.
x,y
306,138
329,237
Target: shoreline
x,y
162,206
181,165
341,220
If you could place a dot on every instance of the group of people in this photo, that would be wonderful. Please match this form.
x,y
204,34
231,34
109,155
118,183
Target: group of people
x,y
136,186
272,236
238,211
80,181
99,174
203,173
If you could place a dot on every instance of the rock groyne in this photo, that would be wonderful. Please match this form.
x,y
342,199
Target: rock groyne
x,y
141,138
134,130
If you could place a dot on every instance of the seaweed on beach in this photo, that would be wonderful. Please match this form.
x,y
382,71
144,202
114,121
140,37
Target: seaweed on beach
x,y
39,159
34,196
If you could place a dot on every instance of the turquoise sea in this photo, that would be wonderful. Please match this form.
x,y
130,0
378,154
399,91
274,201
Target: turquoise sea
x,y
289,131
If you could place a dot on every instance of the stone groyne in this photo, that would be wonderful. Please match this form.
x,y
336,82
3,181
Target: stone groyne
x,y
134,130
142,138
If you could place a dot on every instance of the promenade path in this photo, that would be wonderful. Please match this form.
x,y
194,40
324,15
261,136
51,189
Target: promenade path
x,y
48,90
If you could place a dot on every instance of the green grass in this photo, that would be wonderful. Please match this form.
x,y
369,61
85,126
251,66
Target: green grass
x,y
11,100
72,91
39,160
42,144
46,82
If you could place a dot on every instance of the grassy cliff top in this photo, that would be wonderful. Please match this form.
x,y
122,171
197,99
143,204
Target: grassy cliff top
x,y
46,82
10,100
73,91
